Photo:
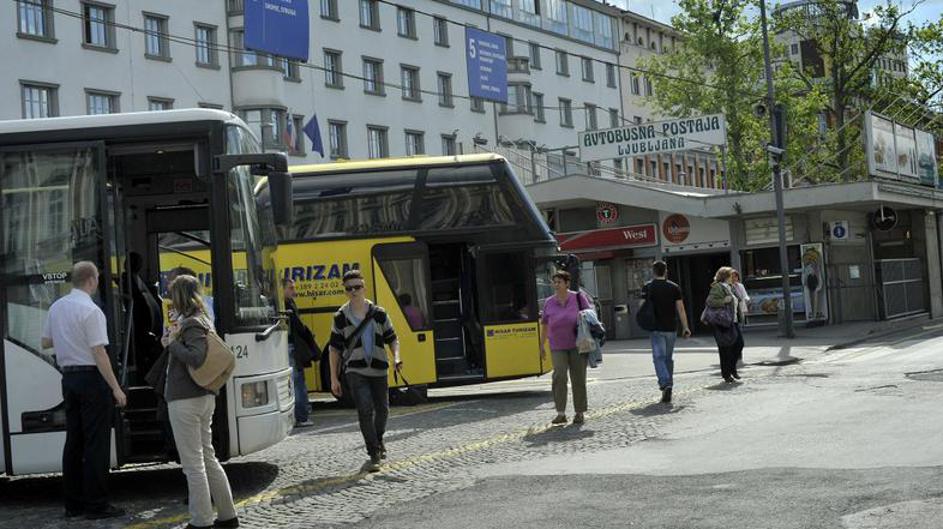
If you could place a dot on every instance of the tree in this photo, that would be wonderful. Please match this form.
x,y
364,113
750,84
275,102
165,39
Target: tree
x,y
849,54
717,67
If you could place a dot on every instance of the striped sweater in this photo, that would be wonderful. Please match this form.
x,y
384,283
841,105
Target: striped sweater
x,y
343,328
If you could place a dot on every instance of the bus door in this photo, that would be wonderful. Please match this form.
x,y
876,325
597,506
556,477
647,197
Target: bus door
x,y
402,287
509,316
51,204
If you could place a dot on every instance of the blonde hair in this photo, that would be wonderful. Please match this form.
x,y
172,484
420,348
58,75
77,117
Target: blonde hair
x,y
186,298
83,272
723,273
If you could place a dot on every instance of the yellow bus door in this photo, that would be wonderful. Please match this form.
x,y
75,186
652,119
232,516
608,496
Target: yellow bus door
x,y
401,286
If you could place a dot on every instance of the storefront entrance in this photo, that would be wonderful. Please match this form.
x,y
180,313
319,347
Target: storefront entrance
x,y
694,274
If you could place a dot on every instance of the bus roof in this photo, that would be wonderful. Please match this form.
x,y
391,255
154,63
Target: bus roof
x,y
407,162
16,126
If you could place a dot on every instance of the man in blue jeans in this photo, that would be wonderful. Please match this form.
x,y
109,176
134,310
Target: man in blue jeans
x,y
665,297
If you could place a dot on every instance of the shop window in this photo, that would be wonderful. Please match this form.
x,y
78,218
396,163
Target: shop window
x,y
505,295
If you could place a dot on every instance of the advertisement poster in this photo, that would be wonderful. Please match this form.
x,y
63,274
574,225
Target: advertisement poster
x,y
814,284
927,170
882,158
906,152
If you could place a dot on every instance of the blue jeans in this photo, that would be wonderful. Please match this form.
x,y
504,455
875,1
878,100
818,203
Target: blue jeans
x,y
663,346
302,406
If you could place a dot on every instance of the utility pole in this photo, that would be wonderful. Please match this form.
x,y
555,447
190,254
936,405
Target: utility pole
x,y
776,150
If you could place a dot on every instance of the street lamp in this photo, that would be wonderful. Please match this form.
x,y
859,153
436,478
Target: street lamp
x,y
776,150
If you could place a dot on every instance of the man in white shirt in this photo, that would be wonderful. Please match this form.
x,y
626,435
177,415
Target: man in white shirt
x,y
76,329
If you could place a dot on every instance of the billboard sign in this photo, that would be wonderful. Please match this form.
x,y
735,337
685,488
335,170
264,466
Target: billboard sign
x,y
486,60
900,152
927,171
279,27
653,137
906,152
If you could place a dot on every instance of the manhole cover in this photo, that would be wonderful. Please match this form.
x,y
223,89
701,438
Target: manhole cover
x,y
927,376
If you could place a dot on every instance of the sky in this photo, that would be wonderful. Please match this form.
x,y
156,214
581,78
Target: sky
x,y
663,10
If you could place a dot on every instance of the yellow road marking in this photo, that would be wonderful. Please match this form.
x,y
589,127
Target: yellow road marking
x,y
318,485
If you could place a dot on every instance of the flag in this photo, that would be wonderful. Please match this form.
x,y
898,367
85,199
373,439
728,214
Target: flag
x,y
313,132
288,135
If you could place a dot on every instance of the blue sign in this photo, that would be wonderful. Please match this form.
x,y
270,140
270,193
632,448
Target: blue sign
x,y
839,232
279,27
486,58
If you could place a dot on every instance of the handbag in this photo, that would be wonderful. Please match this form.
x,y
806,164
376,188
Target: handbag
x,y
645,317
717,316
217,367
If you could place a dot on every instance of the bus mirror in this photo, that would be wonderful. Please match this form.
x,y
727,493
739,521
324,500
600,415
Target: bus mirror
x,y
280,191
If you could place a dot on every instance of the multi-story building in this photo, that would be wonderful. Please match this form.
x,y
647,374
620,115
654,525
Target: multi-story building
x,y
385,78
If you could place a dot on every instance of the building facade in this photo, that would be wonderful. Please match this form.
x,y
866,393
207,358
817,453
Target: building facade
x,y
383,78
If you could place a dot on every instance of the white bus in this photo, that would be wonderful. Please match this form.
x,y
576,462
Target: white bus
x,y
137,194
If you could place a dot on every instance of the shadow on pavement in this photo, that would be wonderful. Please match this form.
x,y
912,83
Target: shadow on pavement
x,y
560,434
655,409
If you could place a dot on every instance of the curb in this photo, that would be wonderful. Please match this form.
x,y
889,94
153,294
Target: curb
x,y
890,328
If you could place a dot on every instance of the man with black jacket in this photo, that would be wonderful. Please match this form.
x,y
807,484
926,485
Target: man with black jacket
x,y
303,351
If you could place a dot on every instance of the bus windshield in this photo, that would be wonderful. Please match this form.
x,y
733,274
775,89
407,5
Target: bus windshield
x,y
252,242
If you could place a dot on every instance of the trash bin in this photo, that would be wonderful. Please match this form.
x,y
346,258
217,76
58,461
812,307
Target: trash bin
x,y
623,322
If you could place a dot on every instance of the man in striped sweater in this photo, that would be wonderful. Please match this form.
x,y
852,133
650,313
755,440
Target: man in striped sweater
x,y
365,362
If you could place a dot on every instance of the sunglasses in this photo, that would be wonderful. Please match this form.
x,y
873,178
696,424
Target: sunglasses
x,y
353,288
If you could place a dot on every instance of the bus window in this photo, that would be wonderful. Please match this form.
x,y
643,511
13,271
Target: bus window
x,y
407,279
464,207
253,268
50,219
505,290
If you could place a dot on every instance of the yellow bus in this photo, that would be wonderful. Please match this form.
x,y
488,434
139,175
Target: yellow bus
x,y
451,246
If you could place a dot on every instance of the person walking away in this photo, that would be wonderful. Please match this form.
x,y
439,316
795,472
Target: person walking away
x,y
665,297
77,331
358,334
303,352
722,296
558,327
743,306
191,409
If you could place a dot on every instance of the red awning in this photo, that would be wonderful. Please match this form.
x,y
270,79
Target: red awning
x,y
609,239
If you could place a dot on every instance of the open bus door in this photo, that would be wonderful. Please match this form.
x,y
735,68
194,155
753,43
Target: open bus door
x,y
402,287
507,290
53,204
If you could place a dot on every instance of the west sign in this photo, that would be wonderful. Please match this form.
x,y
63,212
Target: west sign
x,y
653,137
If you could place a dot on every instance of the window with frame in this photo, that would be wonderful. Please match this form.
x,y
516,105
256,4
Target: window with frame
x,y
156,43
508,299
610,75
794,49
35,18
101,102
591,120
581,25
614,120
409,79
648,86
206,53
406,22
159,103
508,45
448,145
244,57
337,137
333,69
235,7
461,197
373,76
290,69
329,9
440,31
477,104
39,100
97,28
539,108
566,112
370,14
563,62
268,124
408,281
502,8
587,68
518,99
534,55
445,89
377,142
634,84
295,138
415,143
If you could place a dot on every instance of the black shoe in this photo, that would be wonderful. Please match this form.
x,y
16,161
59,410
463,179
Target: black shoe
x,y
374,465
728,379
666,395
109,511
382,450
735,375
228,524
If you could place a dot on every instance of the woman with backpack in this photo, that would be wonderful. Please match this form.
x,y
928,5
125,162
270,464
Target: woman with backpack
x,y
191,408
729,339
558,320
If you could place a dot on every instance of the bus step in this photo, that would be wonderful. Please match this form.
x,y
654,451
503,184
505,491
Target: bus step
x,y
453,368
449,348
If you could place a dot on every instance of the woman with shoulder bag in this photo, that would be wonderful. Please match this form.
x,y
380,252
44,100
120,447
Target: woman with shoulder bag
x,y
559,319
729,340
191,408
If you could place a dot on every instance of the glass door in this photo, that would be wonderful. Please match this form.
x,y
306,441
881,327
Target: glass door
x,y
51,199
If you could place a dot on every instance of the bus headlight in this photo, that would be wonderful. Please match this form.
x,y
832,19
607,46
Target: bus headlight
x,y
255,394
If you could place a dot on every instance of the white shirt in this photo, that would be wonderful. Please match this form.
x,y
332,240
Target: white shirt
x,y
75,325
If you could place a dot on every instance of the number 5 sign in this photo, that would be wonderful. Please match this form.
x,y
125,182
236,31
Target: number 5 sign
x,y
486,60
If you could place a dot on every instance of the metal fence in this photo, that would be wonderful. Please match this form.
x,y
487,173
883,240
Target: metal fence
x,y
902,286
